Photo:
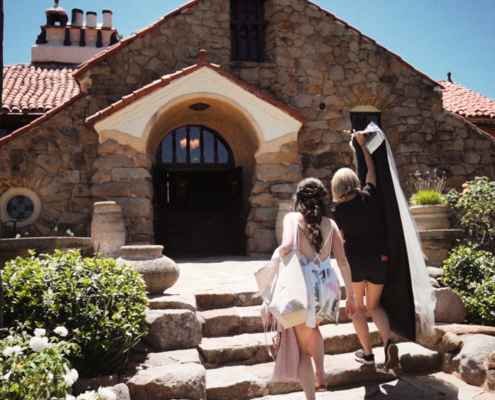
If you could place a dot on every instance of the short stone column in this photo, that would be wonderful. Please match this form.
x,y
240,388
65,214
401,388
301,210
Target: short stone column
x,y
159,272
108,229
437,243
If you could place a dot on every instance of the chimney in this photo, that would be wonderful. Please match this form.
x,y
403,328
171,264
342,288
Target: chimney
x,y
91,19
77,18
107,19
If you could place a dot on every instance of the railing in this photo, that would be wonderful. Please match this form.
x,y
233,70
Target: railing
x,y
8,222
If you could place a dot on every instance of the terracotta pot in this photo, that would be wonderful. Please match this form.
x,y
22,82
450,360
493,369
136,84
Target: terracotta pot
x,y
284,207
430,217
159,272
108,229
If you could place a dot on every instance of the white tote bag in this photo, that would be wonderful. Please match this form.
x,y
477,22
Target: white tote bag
x,y
289,302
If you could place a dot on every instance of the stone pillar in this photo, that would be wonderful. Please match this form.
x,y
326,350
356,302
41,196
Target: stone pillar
x,y
108,229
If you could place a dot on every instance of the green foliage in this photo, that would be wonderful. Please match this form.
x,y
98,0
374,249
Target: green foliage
x,y
475,207
426,198
471,273
26,374
100,302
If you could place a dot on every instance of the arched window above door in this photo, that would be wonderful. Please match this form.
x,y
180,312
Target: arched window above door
x,y
361,116
194,147
247,28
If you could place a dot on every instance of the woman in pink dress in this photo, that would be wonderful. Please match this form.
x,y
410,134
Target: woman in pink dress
x,y
315,237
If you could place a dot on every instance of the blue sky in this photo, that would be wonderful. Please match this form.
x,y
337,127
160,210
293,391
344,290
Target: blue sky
x,y
435,36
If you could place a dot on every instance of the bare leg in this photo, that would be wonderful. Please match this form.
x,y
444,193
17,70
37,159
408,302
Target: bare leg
x,y
318,353
378,314
306,373
359,320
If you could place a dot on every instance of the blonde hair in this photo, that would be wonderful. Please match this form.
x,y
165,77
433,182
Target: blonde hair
x,y
344,181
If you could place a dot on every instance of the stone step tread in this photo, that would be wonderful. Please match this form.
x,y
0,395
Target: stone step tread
x,y
239,320
249,348
244,382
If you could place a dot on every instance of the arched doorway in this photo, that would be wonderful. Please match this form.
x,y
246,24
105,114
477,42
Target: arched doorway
x,y
198,199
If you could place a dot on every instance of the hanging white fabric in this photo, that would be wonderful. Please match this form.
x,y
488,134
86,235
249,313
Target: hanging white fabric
x,y
424,296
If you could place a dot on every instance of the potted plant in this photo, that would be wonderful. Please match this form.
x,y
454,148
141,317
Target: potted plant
x,y
427,202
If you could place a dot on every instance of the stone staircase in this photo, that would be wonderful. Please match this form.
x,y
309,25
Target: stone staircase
x,y
232,350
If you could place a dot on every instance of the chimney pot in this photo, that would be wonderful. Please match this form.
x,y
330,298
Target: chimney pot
x,y
91,19
77,17
107,19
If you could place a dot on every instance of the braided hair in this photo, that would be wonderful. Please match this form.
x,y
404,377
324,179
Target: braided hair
x,y
310,202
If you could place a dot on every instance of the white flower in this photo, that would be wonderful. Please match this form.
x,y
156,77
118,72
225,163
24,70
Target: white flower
x,y
38,344
40,332
8,351
69,232
18,236
50,376
70,376
69,397
56,230
61,331
107,394
89,395
6,376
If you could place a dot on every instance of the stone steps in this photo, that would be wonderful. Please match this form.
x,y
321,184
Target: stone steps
x,y
237,320
215,299
249,349
250,381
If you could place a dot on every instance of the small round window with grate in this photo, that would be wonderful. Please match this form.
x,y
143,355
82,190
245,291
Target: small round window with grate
x,y
20,207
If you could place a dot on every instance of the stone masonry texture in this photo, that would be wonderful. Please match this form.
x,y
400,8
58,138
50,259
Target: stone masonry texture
x,y
312,59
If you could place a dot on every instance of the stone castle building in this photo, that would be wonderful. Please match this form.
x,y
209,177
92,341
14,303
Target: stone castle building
x,y
202,147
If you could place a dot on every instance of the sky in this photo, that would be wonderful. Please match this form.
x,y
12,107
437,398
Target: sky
x,y
435,36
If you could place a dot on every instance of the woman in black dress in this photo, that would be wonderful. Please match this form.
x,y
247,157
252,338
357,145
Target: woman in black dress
x,y
362,227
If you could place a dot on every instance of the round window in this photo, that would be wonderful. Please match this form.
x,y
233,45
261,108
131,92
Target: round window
x,y
20,207
21,204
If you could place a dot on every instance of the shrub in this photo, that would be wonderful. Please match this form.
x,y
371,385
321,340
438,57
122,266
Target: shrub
x,y
100,302
471,273
35,367
426,198
475,208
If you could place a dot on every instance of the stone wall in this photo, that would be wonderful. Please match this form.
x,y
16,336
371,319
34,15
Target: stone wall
x,y
315,64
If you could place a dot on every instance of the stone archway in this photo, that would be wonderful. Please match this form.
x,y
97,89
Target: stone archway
x,y
261,132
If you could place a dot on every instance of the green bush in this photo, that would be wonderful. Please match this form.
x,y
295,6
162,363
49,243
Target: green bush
x,y
35,367
100,302
471,273
475,208
426,198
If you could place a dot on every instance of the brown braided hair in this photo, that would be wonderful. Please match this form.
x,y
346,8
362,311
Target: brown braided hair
x,y
310,202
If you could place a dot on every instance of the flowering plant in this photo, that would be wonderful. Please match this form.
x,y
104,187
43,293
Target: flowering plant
x,y
35,367
101,303
426,188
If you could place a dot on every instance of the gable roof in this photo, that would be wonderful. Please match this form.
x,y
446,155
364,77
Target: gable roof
x,y
203,62
83,68
465,102
36,89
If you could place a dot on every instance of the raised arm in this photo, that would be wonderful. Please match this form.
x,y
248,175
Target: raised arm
x,y
339,252
371,175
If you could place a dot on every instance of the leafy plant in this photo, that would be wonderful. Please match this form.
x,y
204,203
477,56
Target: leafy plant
x,y
475,208
35,367
100,302
426,198
471,273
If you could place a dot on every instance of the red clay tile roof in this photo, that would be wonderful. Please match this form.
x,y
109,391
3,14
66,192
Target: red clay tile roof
x,y
126,41
465,102
203,61
31,89
40,120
